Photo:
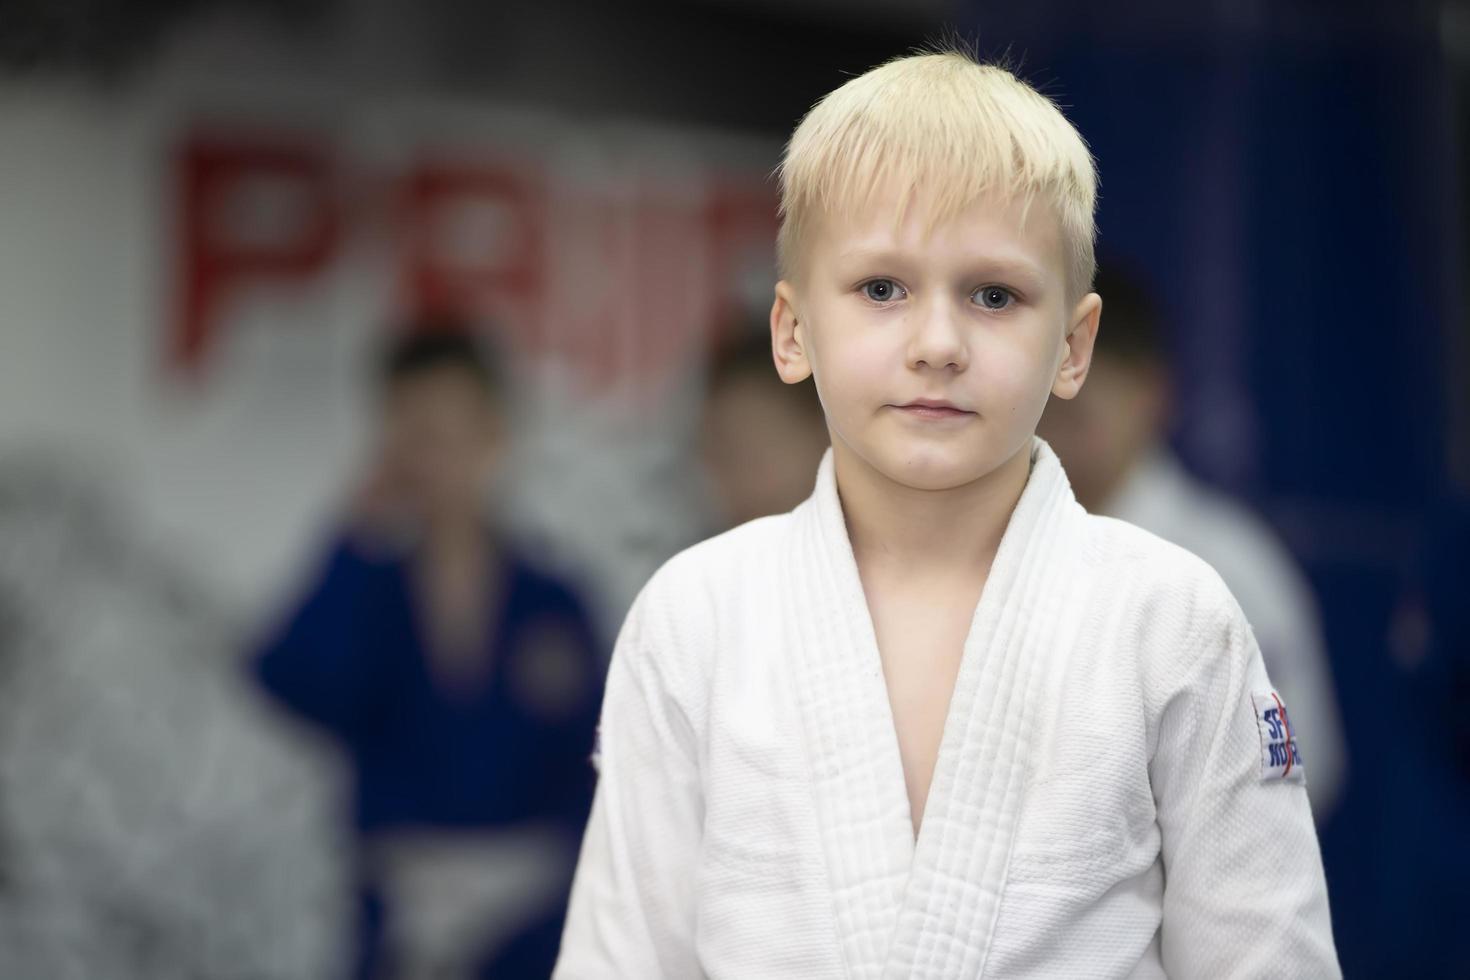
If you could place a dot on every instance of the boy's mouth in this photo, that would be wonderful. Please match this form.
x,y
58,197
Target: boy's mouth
x,y
933,408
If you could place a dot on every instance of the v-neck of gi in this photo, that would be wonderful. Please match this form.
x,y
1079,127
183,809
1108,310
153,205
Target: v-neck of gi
x,y
885,878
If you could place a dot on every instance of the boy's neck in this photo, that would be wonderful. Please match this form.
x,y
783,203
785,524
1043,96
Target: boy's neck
x,y
957,530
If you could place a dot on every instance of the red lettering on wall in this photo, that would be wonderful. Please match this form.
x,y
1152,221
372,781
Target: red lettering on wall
x,y
251,211
741,223
473,245
620,276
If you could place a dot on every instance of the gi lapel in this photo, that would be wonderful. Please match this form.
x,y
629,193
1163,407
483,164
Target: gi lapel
x,y
856,771
1014,652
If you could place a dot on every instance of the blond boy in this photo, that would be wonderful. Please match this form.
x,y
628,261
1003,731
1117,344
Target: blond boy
x,y
938,721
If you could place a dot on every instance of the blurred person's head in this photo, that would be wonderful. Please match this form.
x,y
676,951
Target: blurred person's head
x,y
441,420
1123,412
936,255
761,439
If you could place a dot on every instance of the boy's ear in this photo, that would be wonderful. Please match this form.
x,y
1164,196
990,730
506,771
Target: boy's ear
x,y
1077,346
788,337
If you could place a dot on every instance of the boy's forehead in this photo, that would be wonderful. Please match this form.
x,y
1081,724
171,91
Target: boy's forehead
x,y
998,225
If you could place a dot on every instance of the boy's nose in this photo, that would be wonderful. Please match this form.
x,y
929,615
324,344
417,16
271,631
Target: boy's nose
x,y
938,340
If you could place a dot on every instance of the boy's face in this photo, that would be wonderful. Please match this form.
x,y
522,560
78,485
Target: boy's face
x,y
934,349
439,438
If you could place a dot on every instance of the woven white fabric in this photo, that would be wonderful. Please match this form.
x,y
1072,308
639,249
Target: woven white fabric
x,y
1098,808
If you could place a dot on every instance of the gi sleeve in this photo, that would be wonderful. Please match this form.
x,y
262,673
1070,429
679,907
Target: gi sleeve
x,y
632,908
1290,635
1244,891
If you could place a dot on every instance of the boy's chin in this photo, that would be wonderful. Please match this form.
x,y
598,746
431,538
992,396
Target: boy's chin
x,y
938,478
930,468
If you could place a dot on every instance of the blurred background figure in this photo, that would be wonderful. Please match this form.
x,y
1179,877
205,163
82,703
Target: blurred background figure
x,y
761,439
1112,441
462,684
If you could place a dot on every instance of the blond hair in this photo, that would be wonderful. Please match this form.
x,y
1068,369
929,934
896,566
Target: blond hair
x,y
950,129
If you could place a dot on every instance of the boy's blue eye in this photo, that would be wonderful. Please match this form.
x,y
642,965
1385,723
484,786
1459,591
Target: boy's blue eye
x,y
993,297
882,290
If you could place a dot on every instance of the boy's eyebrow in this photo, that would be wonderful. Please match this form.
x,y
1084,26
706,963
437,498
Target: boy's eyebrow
x,y
1012,267
862,253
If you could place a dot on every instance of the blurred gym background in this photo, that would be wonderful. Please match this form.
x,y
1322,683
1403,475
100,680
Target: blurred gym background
x,y
221,221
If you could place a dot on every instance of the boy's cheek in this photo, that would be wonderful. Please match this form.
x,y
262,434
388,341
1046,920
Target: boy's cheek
x,y
1022,375
862,386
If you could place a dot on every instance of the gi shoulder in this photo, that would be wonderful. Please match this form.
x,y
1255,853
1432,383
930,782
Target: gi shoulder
x,y
693,600
1184,617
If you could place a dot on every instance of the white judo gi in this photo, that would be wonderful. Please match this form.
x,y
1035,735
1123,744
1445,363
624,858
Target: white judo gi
x,y
1116,792
1160,496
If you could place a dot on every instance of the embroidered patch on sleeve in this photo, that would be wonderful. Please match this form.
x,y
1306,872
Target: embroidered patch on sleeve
x,y
1280,758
